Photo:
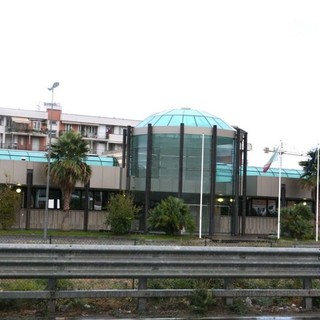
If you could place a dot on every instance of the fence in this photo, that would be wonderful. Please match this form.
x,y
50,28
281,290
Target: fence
x,y
57,261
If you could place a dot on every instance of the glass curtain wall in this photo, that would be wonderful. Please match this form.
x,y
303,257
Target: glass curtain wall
x,y
165,171
165,164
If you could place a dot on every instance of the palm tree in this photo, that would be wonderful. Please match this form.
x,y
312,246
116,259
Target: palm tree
x,y
309,177
68,167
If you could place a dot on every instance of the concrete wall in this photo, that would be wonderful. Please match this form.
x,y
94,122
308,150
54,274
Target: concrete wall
x,y
96,220
15,172
268,187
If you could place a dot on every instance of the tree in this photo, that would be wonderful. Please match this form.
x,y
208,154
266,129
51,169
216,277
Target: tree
x,y
68,166
121,211
9,205
171,215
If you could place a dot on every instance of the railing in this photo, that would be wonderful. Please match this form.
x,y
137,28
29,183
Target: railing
x,y
54,262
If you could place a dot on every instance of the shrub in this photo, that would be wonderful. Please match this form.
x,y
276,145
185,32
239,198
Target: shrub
x,y
171,215
239,306
9,205
201,300
202,297
296,222
121,211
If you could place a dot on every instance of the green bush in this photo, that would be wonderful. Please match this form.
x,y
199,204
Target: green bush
x,y
297,222
121,211
9,205
201,300
171,215
239,306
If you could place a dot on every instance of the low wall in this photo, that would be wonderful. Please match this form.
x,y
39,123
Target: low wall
x,y
96,221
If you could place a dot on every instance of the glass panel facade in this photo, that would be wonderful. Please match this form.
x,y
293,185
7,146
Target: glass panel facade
x,y
190,118
224,166
202,122
163,121
165,163
189,121
175,121
165,155
192,162
139,156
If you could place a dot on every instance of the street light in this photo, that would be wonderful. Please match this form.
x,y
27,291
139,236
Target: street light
x,y
46,213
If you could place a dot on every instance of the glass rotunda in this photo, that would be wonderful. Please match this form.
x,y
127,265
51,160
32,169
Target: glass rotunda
x,y
192,155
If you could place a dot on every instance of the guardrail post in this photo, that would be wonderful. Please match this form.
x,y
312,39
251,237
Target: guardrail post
x,y
52,300
228,284
307,284
142,284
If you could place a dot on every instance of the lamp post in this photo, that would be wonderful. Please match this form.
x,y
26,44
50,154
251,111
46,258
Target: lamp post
x,y
46,213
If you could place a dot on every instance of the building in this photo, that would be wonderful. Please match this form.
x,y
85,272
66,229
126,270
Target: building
x,y
29,130
203,160
182,152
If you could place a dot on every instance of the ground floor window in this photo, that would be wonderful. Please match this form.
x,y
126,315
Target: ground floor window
x,y
269,207
263,207
97,199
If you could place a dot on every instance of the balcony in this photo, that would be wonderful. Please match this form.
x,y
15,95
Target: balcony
x,y
115,138
90,135
22,130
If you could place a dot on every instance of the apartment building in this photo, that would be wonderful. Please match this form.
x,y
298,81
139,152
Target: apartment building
x,y
30,129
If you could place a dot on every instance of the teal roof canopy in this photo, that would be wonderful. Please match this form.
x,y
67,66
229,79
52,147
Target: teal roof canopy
x,y
274,172
95,160
40,156
189,117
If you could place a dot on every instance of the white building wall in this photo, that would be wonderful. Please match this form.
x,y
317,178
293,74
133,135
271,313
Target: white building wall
x,y
102,132
100,148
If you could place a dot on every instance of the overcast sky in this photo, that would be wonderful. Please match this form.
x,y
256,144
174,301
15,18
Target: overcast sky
x,y
255,64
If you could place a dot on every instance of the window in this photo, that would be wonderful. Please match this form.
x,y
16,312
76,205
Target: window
x,y
36,125
52,133
68,127
264,208
88,131
39,198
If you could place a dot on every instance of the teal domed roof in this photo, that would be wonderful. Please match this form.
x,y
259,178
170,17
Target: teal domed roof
x,y
189,117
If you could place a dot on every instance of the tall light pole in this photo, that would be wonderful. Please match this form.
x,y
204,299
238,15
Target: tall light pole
x,y
46,213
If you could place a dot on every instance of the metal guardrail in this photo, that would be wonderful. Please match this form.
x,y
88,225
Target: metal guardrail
x,y
58,261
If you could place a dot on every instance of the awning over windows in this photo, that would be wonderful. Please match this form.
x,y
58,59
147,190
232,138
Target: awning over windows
x,y
20,120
